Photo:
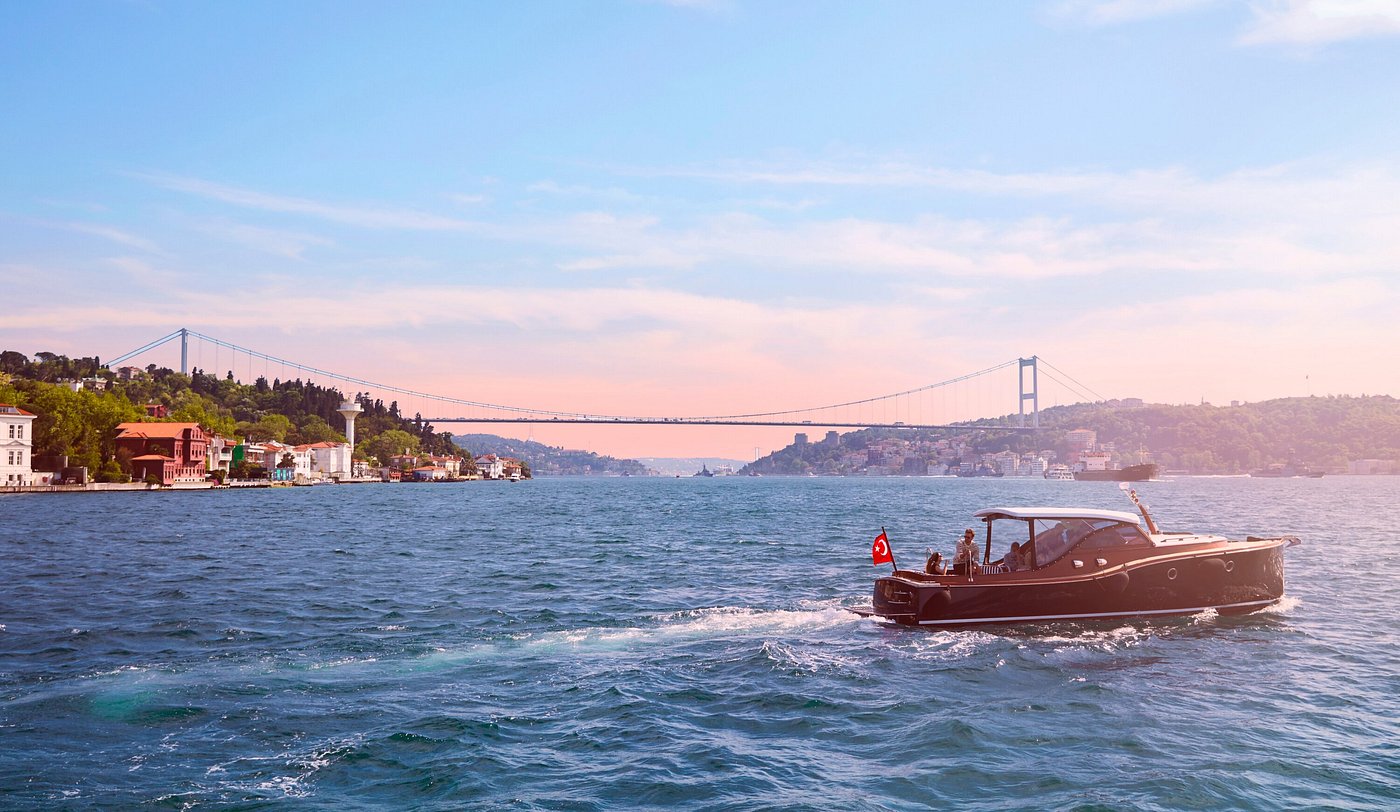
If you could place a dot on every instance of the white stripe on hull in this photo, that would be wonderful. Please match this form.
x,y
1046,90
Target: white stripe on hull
x,y
1188,611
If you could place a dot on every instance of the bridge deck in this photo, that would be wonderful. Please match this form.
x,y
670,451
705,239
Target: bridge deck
x,y
664,421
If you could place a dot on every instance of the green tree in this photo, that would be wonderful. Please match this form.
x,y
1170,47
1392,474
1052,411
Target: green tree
x,y
314,429
388,444
194,408
270,427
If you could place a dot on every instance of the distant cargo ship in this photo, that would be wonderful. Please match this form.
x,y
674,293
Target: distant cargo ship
x,y
1096,466
1133,473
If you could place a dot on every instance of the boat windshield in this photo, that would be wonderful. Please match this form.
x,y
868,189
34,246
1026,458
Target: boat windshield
x,y
1086,534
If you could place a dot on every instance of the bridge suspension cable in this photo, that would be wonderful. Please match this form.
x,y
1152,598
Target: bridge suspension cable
x,y
533,415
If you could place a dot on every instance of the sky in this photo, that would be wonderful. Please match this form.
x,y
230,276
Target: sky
x,y
714,206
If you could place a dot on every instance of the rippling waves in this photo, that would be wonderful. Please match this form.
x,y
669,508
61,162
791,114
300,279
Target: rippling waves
x,y
659,643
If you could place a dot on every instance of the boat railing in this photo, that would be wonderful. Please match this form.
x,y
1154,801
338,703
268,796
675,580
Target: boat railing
x,y
991,569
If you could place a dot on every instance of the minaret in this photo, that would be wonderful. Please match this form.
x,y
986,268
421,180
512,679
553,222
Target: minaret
x,y
350,410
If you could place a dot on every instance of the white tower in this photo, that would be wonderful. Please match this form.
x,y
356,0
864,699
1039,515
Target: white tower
x,y
350,410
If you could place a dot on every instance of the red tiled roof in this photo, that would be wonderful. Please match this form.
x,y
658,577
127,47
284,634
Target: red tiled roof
x,y
153,457
171,431
6,408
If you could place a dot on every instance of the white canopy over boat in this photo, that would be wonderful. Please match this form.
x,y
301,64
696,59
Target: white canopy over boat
x,y
1056,513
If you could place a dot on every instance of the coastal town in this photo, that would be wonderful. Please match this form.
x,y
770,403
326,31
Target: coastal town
x,y
156,448
74,424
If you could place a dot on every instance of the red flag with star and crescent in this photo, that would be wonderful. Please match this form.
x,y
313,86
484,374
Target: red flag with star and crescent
x,y
880,550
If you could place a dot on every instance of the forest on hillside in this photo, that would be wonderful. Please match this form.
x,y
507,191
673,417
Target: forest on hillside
x,y
550,460
81,424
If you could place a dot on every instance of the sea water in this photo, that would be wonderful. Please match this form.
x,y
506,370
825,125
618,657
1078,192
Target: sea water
x,y
589,644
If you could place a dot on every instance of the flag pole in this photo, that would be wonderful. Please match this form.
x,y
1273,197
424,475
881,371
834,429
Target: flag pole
x,y
889,547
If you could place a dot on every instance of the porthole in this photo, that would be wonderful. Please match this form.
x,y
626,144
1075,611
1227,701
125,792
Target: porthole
x,y
1229,566
1171,574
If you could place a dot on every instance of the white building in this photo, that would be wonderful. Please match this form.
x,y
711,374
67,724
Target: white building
x,y
491,467
16,445
328,459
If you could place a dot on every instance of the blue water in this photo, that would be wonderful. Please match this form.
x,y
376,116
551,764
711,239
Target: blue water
x,y
582,644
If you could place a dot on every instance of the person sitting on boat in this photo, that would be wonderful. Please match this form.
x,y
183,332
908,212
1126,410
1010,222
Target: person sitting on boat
x,y
1012,560
966,553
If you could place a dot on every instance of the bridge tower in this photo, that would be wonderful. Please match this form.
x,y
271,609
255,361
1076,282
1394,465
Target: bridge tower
x,y
1034,395
184,351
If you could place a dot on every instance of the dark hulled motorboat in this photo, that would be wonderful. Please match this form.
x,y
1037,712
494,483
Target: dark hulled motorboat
x,y
1083,564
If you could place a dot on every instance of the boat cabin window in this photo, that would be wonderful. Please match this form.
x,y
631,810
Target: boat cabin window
x,y
1056,539
1088,534
1114,536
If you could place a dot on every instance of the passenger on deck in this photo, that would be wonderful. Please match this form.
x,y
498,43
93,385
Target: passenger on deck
x,y
1012,559
966,553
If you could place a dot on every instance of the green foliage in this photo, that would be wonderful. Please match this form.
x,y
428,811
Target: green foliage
x,y
389,444
313,429
269,427
195,408
111,471
544,459
81,424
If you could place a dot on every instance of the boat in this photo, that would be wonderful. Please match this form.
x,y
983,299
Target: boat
x,y
704,471
1279,470
1059,472
1084,564
1133,473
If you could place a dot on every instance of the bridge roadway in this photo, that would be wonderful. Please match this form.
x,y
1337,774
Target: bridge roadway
x,y
666,421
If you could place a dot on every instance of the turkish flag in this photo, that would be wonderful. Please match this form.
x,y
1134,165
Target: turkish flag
x,y
880,550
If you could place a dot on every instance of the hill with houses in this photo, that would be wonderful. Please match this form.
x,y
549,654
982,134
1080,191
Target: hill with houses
x,y
1337,434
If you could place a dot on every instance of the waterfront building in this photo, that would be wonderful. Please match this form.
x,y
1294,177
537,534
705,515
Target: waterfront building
x,y
1082,439
170,452
327,459
16,445
491,466
220,456
453,465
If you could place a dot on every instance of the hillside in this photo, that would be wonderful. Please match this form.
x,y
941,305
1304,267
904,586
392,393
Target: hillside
x,y
79,404
549,460
1324,433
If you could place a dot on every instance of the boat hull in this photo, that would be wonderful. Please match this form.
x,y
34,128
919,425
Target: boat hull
x,y
1133,473
1228,580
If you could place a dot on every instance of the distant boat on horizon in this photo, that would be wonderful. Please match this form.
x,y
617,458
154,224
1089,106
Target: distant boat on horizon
x,y
1133,473
1281,471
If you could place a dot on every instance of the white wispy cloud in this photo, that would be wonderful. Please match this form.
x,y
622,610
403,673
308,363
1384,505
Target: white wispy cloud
x,y
1315,22
608,193
1290,22
111,233
1114,12
365,217
278,242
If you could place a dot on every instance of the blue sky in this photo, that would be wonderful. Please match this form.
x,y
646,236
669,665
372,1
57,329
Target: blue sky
x,y
692,206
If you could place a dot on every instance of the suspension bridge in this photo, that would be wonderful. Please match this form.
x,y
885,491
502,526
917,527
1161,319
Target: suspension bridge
x,y
931,406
